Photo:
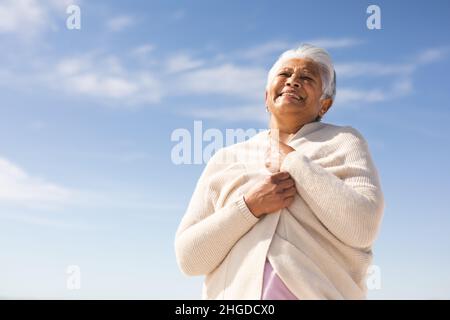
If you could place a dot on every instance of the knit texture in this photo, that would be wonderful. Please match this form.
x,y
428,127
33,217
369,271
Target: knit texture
x,y
320,246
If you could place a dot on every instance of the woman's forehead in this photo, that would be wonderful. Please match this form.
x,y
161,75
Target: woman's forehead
x,y
304,64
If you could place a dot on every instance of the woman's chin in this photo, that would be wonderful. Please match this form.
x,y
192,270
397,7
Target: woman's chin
x,y
290,107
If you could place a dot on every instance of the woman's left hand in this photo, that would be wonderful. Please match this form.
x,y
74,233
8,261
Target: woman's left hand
x,y
275,154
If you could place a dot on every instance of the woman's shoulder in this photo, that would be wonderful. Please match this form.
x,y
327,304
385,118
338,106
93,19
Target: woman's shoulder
x,y
340,133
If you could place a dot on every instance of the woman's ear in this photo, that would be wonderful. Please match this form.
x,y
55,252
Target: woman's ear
x,y
326,104
266,100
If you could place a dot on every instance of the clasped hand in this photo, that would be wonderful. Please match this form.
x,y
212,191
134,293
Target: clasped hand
x,y
277,190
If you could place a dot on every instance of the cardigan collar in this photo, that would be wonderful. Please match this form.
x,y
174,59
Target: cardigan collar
x,y
306,129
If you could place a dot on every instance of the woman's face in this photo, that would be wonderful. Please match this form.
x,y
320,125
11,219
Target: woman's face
x,y
295,91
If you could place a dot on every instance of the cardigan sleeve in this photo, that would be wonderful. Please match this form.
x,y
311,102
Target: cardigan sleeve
x,y
205,235
342,189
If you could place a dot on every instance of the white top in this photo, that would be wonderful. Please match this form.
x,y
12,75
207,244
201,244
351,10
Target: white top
x,y
320,246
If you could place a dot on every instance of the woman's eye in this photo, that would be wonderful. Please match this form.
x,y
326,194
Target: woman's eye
x,y
285,74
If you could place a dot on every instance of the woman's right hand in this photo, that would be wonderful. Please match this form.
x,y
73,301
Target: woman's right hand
x,y
275,192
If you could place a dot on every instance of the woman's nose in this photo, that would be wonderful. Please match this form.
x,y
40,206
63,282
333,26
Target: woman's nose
x,y
293,81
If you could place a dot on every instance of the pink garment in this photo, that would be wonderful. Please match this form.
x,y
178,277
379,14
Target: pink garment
x,y
273,286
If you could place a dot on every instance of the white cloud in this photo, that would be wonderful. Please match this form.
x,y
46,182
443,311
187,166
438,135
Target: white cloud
x,y
121,157
432,55
227,79
61,5
276,47
119,23
401,85
329,43
266,49
39,220
370,69
21,16
106,86
346,97
111,79
398,88
33,200
351,95
256,112
105,77
182,62
28,18
17,186
143,50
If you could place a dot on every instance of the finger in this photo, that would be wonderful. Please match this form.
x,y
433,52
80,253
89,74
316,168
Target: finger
x,y
279,176
290,192
288,201
285,184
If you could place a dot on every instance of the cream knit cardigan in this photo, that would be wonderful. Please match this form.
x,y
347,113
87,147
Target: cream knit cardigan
x,y
320,245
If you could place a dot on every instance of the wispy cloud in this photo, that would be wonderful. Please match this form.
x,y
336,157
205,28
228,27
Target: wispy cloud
x,y
129,82
124,201
228,79
349,95
371,69
330,43
276,47
247,83
20,15
105,77
142,50
28,18
30,199
265,49
119,23
122,157
401,85
43,221
354,95
182,62
254,112
432,55
17,186
101,77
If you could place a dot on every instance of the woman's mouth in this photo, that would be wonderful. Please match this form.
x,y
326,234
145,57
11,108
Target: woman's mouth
x,y
291,96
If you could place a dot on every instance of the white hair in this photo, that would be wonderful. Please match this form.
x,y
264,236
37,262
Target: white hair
x,y
319,56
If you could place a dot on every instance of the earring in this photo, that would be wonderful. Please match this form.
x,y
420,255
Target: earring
x,y
267,109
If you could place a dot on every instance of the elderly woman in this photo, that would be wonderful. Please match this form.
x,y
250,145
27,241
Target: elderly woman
x,y
299,222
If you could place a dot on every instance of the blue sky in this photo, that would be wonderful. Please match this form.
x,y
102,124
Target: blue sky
x,y
86,117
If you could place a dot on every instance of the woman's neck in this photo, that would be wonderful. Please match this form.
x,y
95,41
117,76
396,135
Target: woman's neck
x,y
285,130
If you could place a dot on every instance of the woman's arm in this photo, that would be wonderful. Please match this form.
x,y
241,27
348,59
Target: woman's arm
x,y
205,236
344,194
